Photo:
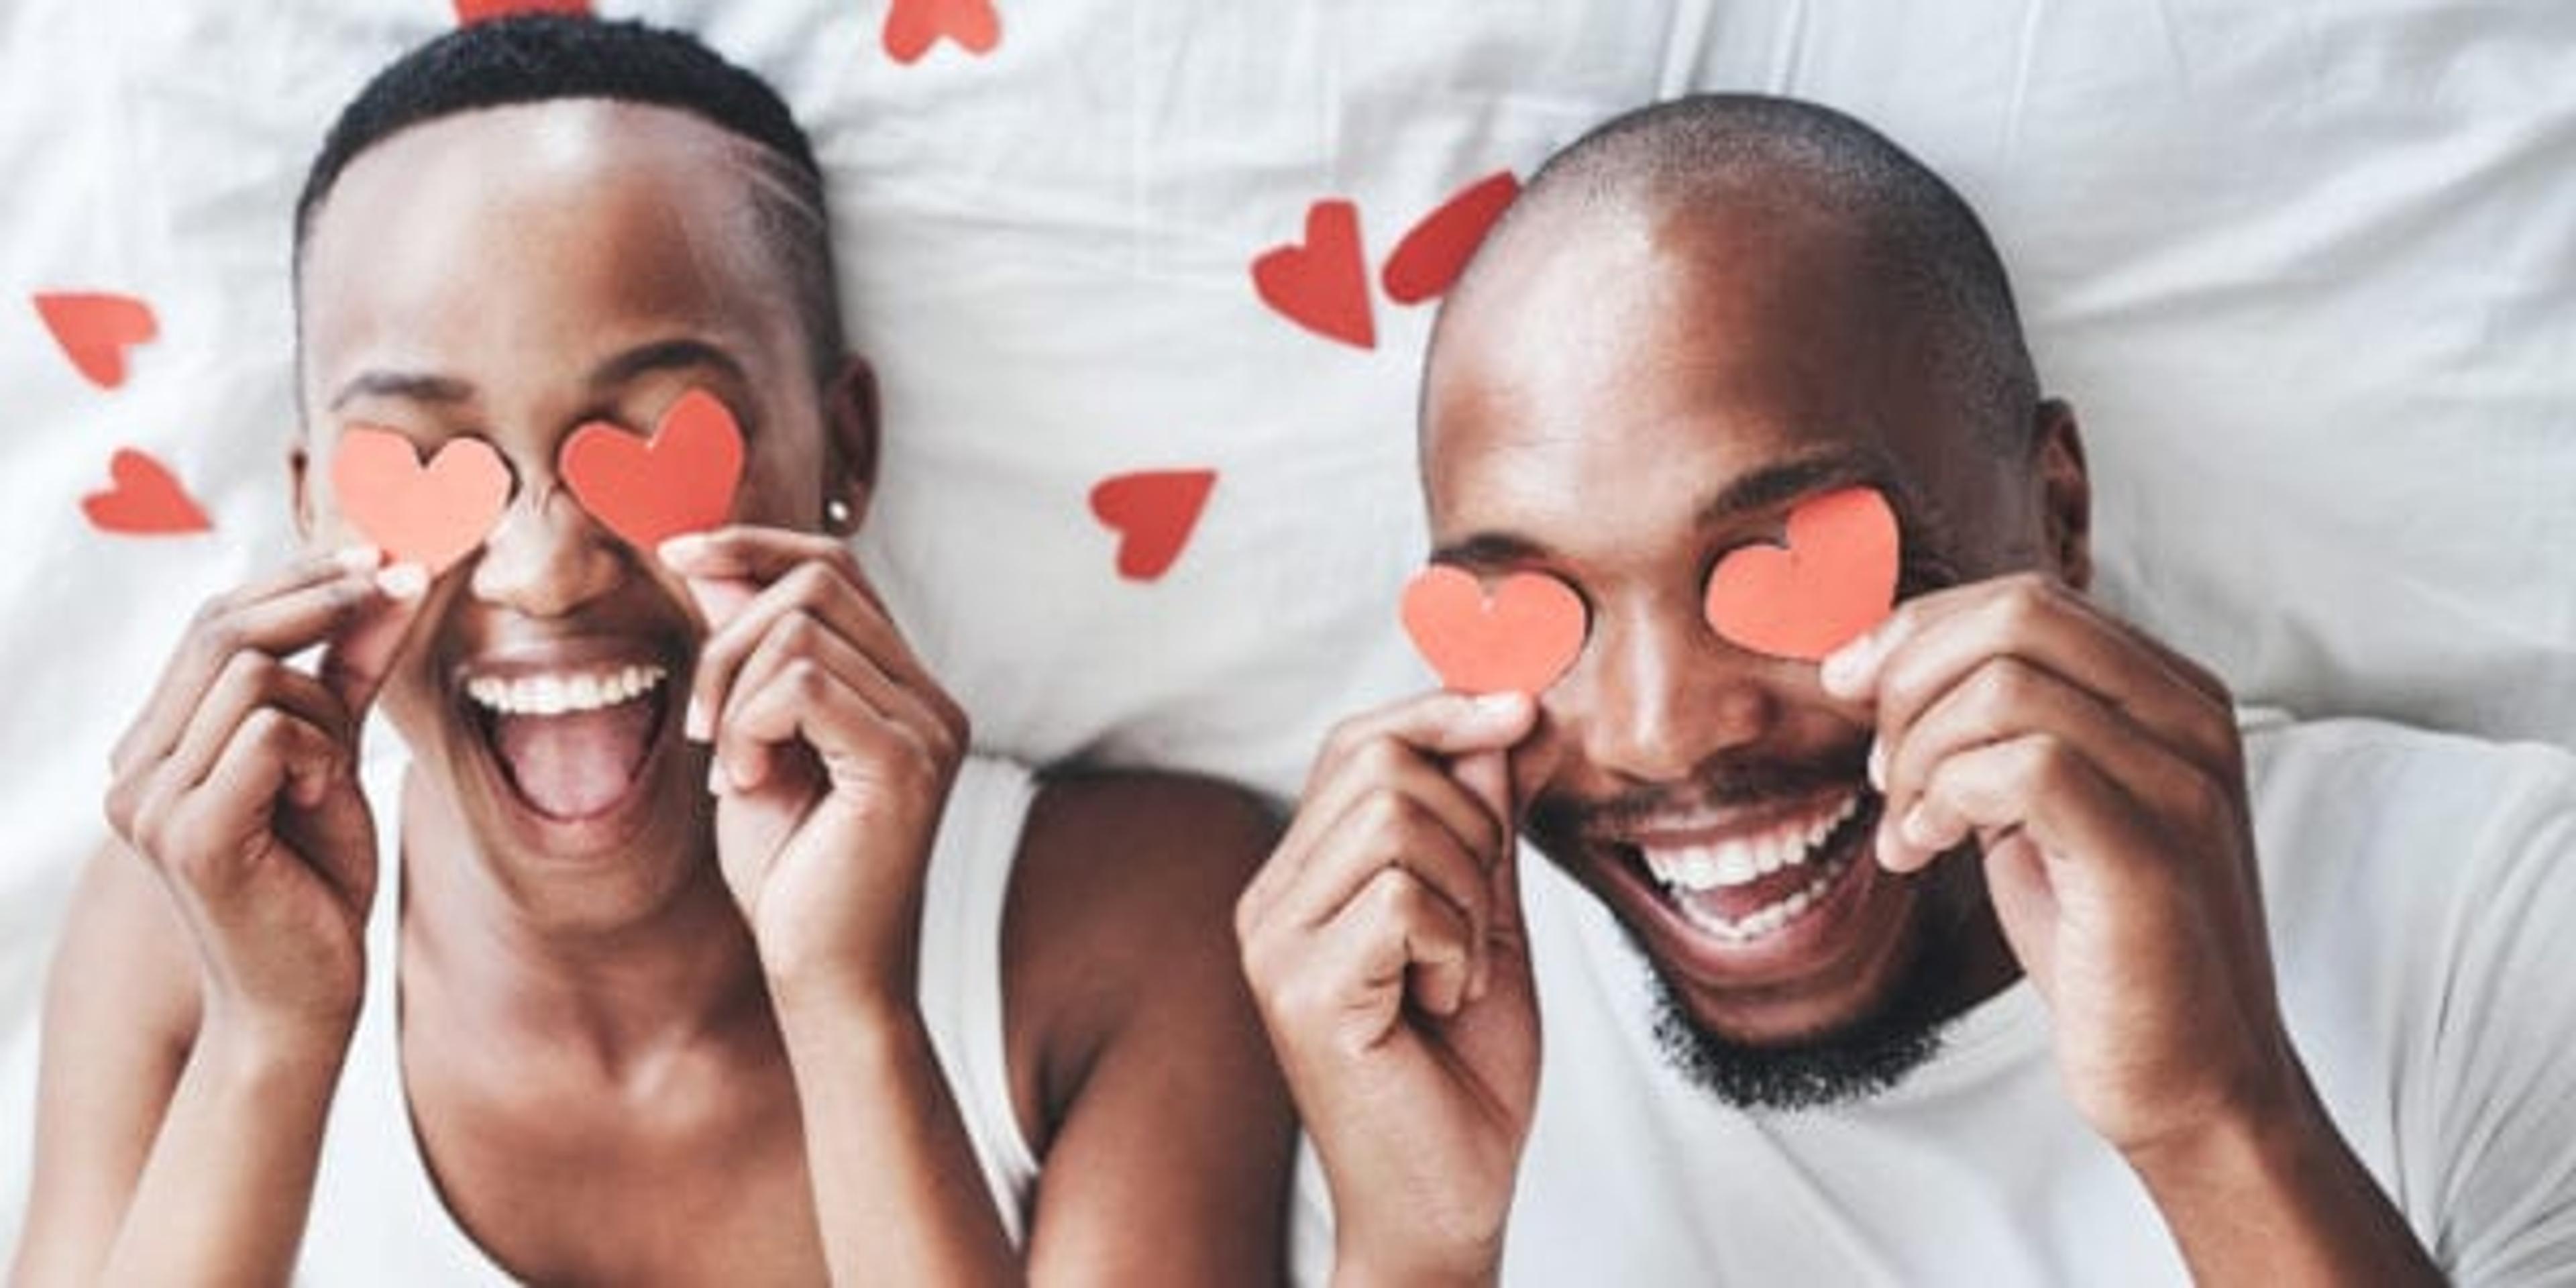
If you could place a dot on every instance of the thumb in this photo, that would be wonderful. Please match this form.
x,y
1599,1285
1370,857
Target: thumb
x,y
358,659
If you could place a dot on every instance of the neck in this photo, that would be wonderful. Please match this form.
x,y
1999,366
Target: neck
x,y
626,984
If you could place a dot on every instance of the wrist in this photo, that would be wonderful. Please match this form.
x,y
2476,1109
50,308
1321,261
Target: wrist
x,y
2251,1143
1365,1263
271,1053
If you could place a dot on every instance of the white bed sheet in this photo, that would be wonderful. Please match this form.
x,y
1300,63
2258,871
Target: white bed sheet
x,y
2304,267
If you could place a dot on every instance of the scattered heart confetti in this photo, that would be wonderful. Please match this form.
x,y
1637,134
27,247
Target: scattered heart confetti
x,y
913,26
1153,513
1432,255
1519,638
143,499
648,491
469,12
1321,284
1835,579
95,330
431,515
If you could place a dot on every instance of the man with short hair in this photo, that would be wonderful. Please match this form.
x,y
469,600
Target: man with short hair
x,y
690,946
1988,947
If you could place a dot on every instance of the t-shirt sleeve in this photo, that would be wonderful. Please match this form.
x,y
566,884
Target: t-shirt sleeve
x,y
2503,1052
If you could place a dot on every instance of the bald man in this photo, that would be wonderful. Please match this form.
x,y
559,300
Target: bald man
x,y
1995,947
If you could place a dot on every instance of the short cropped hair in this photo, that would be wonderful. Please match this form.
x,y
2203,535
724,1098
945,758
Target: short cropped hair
x,y
537,58
1921,239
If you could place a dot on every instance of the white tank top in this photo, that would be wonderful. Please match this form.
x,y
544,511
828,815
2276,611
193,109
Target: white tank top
x,y
377,1218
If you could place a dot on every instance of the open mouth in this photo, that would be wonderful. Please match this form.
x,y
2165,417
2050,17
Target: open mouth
x,y
1745,887
571,742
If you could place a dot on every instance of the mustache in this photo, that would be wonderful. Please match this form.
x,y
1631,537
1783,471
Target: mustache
x,y
1723,782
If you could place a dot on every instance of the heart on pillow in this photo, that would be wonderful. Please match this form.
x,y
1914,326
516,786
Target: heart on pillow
x,y
1833,580
649,490
429,514
1517,638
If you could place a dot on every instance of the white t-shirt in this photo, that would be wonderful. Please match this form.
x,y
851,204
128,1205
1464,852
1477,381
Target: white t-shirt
x,y
377,1217
2421,891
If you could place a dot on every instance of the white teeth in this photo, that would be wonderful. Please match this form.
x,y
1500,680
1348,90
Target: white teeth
x,y
1767,920
1739,860
554,695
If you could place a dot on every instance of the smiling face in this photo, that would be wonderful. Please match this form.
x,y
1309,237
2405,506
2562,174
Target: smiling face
x,y
511,274
1619,398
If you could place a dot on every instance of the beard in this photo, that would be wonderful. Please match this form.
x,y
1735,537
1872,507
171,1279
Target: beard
x,y
1848,1064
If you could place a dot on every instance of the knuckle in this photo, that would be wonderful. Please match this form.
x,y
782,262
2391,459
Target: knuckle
x,y
806,678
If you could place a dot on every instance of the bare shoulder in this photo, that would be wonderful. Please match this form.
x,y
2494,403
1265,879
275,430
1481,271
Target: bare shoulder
x,y
1121,914
1129,861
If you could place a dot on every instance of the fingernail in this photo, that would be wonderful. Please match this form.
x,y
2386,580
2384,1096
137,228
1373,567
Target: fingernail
x,y
716,783
1845,668
404,581
359,558
1917,829
1887,847
694,723
1878,764
683,549
1500,705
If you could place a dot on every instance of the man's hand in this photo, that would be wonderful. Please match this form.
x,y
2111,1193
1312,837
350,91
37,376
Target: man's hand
x,y
2102,776
833,753
238,784
1384,944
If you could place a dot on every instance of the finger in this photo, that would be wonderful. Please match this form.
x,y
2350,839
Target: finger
x,y
2041,786
248,683
281,617
760,555
1441,723
799,636
855,741
820,591
1389,765
2000,700
1396,939
2045,625
362,654
209,827
1390,830
336,833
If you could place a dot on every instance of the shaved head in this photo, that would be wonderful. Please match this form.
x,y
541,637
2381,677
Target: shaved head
x,y
1720,157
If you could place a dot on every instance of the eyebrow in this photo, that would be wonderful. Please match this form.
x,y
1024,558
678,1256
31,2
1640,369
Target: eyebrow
x,y
659,355
1745,494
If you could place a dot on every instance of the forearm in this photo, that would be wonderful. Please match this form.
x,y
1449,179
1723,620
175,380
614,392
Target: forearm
x,y
2280,1201
224,1195
897,1187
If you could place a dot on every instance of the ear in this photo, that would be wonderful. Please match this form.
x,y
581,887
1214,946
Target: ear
x,y
299,475
850,444
2065,491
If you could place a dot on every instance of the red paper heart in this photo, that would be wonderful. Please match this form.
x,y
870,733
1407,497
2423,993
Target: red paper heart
x,y
1834,580
431,515
1322,283
913,26
143,498
648,491
1518,639
1431,256
1153,513
469,12
95,330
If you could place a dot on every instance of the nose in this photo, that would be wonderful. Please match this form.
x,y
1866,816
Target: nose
x,y
1656,697
548,557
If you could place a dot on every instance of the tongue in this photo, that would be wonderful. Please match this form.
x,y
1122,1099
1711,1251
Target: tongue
x,y
575,765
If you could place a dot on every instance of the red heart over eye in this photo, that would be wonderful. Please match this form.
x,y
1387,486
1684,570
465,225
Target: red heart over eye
x,y
1517,639
649,490
1835,579
430,514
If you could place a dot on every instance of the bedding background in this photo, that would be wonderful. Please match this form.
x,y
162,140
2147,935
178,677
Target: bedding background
x,y
2305,268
